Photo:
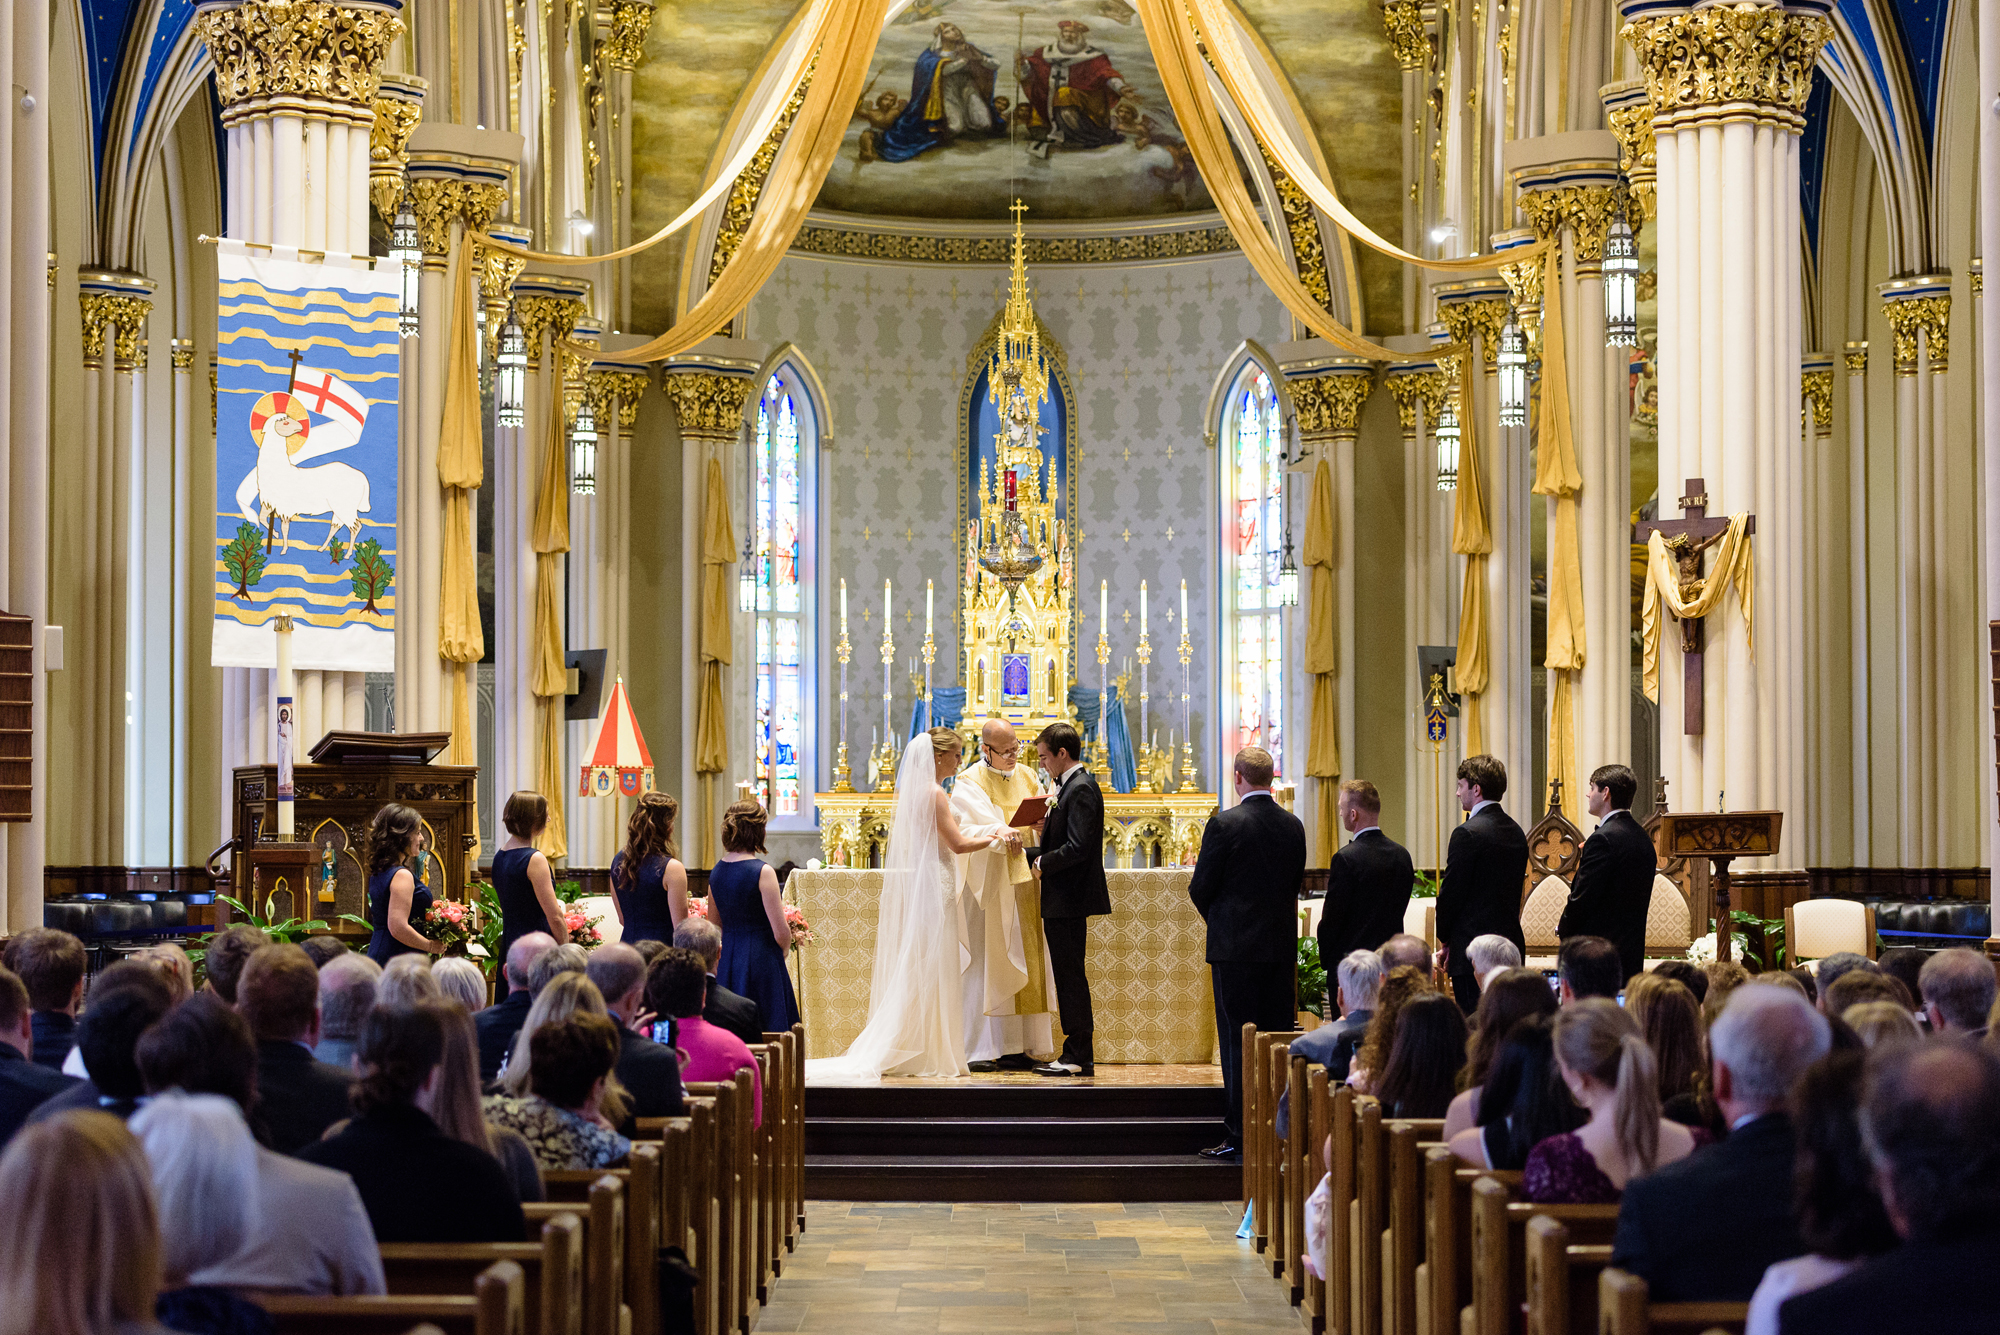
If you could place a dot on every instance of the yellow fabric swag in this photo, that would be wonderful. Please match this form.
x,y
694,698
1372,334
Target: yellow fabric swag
x,y
1322,657
548,679
1663,590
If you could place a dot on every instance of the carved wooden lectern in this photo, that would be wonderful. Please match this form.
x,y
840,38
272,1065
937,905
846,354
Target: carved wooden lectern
x,y
1721,837
351,777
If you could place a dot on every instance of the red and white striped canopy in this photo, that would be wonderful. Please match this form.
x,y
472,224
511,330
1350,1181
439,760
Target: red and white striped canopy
x,y
619,764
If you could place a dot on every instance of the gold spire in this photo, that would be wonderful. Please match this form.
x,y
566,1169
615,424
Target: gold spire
x,y
1017,353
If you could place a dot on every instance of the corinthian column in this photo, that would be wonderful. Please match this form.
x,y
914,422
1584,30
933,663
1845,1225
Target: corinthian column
x,y
625,24
1816,722
1727,86
1410,38
1419,389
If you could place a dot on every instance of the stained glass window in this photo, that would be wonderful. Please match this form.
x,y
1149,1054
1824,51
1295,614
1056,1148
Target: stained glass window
x,y
778,526
1253,489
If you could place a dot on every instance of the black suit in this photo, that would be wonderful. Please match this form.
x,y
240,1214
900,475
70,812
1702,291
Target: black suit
x,y
1938,1285
55,1035
1705,1228
1486,865
1367,892
1073,892
1613,889
732,1011
420,1185
651,1074
298,1096
24,1086
497,1025
1246,888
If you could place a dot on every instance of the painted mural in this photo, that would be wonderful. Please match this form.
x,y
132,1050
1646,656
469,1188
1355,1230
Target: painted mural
x,y
973,102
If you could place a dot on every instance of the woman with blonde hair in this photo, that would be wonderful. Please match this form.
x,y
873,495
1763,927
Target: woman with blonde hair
x,y
174,966
1611,1074
406,980
82,1256
458,1109
564,995
649,886
1404,984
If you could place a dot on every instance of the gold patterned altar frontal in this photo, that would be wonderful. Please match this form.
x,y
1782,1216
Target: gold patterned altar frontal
x,y
1148,973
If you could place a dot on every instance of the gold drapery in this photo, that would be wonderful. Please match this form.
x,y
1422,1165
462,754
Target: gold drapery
x,y
1557,475
1663,589
461,641
1472,538
711,729
548,678
1323,747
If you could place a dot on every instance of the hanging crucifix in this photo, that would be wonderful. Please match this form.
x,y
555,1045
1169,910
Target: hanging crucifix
x,y
1687,538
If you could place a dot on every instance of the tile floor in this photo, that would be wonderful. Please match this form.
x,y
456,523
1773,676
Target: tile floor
x,y
885,1269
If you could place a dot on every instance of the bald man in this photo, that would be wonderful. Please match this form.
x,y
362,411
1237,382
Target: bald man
x,y
1007,984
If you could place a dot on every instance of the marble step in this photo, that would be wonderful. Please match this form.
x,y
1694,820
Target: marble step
x,y
1065,1178
1003,1137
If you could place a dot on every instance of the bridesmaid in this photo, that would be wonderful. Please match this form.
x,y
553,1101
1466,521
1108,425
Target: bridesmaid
x,y
521,876
649,886
743,894
396,903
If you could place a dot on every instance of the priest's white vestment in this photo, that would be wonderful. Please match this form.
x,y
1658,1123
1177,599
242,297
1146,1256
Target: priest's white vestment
x,y
1007,980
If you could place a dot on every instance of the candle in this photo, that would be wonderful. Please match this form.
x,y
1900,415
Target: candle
x,y
885,607
1010,489
927,609
1103,605
1142,607
1183,607
843,606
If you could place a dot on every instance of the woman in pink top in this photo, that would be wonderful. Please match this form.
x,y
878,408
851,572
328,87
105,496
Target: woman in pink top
x,y
676,985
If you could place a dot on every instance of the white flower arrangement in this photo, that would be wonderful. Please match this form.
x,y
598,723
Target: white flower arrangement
x,y
1702,951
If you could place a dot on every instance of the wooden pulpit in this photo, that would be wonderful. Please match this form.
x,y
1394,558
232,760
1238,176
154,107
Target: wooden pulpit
x,y
351,776
1720,837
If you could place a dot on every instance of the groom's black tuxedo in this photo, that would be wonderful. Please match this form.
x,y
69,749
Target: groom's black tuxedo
x,y
1073,892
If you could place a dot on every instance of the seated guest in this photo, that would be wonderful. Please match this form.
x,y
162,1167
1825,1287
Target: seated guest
x,y
459,1106
565,995
1724,977
1856,986
1905,964
322,948
649,949
1883,1024
419,1184
298,1096
1779,978
650,1071
724,1009
1958,988
1491,954
1332,1045
1832,969
1424,1064
560,1116
1741,1188
498,1023
228,951
313,1236
1369,881
1510,996
51,965
204,1166
1588,966
24,1086
1931,1122
174,966
675,984
1611,1075
460,980
347,984
1687,974
1670,1021
82,1255
1840,1215
1401,986
1404,951
1807,981
1523,1103
125,1000
406,980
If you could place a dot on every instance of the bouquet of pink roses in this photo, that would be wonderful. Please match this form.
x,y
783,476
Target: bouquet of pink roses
x,y
449,923
698,907
802,932
582,928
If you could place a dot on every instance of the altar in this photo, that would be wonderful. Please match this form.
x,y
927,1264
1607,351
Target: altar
x,y
1148,972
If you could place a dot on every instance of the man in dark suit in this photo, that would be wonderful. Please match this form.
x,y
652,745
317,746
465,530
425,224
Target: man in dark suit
x,y
24,1086
1703,1229
298,1096
125,1001
1333,1045
50,964
1613,887
1368,887
1933,1118
649,1071
498,1023
724,1009
1071,870
1486,865
1246,888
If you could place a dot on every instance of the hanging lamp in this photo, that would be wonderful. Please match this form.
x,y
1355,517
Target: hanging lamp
x,y
510,388
1512,362
405,251
1621,277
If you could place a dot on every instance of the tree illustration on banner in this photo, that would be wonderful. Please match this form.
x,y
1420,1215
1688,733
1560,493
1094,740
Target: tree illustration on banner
x,y
244,558
372,573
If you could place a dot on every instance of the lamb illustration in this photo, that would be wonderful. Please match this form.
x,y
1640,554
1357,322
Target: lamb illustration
x,y
278,490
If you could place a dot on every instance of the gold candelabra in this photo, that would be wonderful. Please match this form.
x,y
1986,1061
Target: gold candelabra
x,y
843,779
1187,724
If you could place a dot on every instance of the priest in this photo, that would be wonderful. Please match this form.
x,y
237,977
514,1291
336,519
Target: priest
x,y
1007,982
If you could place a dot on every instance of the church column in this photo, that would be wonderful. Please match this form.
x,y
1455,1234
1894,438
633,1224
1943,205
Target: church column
x,y
1988,324
1855,535
1409,38
624,47
1812,785
1418,388
1727,86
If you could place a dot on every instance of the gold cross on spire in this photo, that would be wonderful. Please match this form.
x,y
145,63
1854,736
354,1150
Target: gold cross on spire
x,y
1017,208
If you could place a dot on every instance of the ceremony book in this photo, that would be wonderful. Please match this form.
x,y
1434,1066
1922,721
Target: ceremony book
x,y
1030,812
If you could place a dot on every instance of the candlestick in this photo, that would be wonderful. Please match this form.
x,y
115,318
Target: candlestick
x,y
1145,675
1103,602
930,655
287,726
1184,606
1187,725
843,778
1102,752
1142,608
885,768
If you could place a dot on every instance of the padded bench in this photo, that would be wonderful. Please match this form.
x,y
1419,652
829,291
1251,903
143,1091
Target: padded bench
x,y
94,919
1936,924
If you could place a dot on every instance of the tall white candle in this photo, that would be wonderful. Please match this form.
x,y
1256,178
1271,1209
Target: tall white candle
x,y
885,605
843,607
1103,604
1183,606
927,608
1142,607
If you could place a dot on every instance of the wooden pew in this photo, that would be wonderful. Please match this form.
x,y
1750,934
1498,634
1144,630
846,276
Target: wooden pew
x,y
1444,1279
1562,1279
1499,1249
1319,1120
1293,1172
1623,1309
1341,1306
799,1124
758,1249
1274,1072
496,1306
1250,1081
609,1197
1403,1241
1365,1257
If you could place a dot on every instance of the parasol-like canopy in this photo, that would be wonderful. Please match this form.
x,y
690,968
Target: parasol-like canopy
x,y
619,764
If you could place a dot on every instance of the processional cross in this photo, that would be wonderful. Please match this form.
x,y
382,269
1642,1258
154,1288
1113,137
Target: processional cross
x,y
1687,538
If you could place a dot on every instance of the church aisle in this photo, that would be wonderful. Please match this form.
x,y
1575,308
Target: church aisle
x,y
887,1269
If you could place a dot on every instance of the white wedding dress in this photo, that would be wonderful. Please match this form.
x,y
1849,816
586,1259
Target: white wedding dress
x,y
915,1025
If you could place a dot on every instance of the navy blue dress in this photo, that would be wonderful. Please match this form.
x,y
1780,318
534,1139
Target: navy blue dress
x,y
520,912
643,904
752,965
383,947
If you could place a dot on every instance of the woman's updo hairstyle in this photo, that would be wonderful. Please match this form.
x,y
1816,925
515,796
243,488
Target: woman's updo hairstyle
x,y
389,836
1597,1038
946,742
743,827
400,1047
649,834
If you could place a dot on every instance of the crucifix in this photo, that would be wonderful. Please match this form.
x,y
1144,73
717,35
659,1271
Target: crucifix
x,y
1687,538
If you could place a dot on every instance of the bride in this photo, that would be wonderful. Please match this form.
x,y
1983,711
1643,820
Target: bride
x,y
916,1024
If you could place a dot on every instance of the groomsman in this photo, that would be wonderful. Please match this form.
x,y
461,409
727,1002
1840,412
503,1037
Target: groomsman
x,y
1368,887
1246,887
1071,870
1486,865
1613,888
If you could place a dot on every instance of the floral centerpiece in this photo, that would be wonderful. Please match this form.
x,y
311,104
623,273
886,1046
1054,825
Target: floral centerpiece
x,y
1703,949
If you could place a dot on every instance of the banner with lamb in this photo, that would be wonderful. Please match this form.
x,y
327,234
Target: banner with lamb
x,y
307,367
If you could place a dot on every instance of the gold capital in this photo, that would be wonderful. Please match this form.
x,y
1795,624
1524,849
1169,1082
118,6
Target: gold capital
x,y
1412,388
621,388
439,201
709,403
1584,209
1910,316
389,144
1484,316
1817,389
539,314
1329,404
124,315
297,56
1409,35
1638,154
1744,55
631,20
183,354
1856,358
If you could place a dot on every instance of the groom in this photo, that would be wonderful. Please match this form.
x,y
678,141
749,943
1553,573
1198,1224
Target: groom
x,y
1071,870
